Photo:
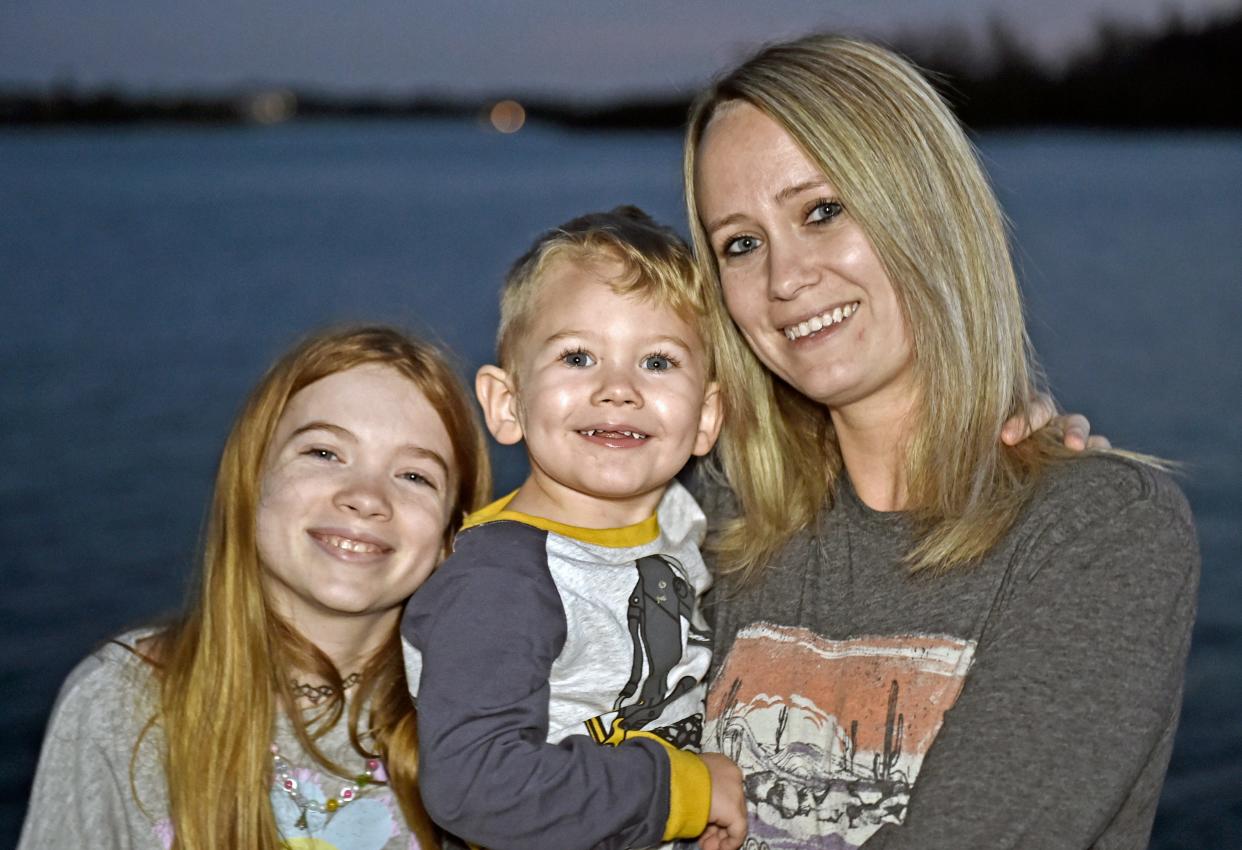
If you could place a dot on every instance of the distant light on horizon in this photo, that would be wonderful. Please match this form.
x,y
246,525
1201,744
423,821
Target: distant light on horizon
x,y
508,116
272,107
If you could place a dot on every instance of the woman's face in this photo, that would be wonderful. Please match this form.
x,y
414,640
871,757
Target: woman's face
x,y
799,276
355,499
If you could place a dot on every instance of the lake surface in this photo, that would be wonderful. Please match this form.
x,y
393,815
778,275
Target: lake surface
x,y
147,276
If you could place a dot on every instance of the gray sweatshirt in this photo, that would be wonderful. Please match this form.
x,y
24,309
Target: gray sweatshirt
x,y
83,796
1028,701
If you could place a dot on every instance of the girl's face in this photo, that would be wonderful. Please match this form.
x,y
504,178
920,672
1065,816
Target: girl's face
x,y
799,275
355,499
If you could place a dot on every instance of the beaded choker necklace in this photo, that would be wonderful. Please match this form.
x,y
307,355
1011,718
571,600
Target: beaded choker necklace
x,y
315,694
350,791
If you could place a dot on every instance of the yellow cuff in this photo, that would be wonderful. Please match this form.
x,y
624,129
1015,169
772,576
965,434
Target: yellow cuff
x,y
689,795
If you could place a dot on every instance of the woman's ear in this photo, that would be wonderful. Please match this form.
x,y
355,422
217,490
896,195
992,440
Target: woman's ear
x,y
497,395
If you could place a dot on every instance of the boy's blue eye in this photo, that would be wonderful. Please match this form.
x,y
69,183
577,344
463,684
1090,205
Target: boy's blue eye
x,y
658,362
578,359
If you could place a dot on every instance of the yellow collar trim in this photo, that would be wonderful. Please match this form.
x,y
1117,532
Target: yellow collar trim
x,y
637,534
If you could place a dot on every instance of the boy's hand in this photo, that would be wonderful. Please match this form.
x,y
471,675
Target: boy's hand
x,y
1074,426
726,822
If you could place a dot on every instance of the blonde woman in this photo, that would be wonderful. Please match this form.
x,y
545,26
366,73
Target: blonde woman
x,y
926,639
275,711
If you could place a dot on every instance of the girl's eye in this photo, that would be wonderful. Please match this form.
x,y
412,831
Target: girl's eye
x,y
824,211
418,478
578,359
658,362
739,245
322,454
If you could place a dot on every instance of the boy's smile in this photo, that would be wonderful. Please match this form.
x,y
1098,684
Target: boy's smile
x,y
610,393
617,437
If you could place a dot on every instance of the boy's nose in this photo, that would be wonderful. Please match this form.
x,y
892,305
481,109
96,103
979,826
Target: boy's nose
x,y
616,388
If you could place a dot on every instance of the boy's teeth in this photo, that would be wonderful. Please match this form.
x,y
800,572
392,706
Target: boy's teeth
x,y
591,432
818,323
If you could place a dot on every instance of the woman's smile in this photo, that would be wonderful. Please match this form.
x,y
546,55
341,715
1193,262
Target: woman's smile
x,y
822,323
798,273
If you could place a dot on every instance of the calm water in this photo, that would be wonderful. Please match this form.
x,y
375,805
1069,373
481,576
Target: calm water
x,y
149,275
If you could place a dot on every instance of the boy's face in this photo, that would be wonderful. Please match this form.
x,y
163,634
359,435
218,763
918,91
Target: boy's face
x,y
612,398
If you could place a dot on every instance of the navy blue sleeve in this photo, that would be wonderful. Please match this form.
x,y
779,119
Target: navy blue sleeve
x,y
489,625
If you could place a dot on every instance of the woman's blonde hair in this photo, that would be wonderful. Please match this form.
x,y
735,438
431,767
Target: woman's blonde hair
x,y
907,174
223,666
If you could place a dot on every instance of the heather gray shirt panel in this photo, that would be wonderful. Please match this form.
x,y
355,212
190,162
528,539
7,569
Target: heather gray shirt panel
x,y
1028,701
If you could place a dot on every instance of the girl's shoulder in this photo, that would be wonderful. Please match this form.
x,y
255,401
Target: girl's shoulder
x,y
110,688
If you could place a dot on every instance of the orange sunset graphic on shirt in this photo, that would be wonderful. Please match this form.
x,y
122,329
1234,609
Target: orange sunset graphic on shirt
x,y
830,735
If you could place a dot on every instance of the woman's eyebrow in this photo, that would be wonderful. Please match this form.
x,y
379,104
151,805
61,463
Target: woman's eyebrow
x,y
798,188
723,221
780,197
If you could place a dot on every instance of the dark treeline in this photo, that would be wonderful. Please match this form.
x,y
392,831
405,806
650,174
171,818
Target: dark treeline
x,y
1178,77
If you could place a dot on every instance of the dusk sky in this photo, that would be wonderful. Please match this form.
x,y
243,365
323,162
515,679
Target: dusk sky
x,y
588,48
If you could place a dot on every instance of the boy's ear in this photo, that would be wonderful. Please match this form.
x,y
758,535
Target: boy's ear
x,y
497,396
711,417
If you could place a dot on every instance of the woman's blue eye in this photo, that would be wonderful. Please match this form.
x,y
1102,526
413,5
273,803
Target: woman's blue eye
x,y
577,359
658,362
740,245
322,454
824,211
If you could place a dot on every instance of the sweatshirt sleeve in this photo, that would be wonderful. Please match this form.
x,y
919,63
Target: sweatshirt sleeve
x,y
489,625
82,793
1063,731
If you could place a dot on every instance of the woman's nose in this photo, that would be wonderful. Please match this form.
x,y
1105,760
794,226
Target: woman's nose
x,y
790,270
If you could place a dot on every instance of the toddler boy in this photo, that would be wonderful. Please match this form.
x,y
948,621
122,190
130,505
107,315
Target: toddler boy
x,y
568,615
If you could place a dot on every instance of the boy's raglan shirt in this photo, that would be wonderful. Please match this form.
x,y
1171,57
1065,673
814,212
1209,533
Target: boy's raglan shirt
x,y
535,643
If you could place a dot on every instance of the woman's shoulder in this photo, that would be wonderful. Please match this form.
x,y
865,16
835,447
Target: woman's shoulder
x,y
1108,484
1114,501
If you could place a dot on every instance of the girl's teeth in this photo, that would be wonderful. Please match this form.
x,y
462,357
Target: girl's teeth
x,y
836,315
352,545
816,324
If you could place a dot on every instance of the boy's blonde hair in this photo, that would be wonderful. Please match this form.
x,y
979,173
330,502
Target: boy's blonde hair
x,y
907,174
656,264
